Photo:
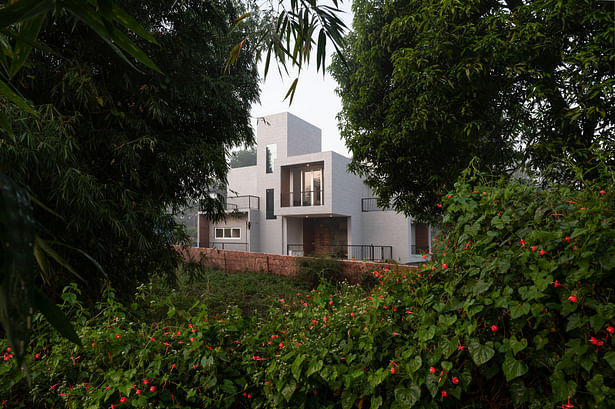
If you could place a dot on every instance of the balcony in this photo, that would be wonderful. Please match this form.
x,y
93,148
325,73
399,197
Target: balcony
x,y
304,198
236,203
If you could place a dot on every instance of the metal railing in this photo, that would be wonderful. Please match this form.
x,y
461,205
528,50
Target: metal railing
x,y
228,245
368,252
370,204
304,198
242,202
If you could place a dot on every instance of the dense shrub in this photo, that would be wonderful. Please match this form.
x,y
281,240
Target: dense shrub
x,y
313,269
517,312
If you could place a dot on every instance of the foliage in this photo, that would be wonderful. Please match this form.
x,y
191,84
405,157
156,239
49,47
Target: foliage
x,y
517,82
313,270
518,312
132,146
242,158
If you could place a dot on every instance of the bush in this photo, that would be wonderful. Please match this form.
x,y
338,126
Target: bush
x,y
314,269
517,313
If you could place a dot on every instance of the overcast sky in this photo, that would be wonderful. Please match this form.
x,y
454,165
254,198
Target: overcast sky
x,y
315,100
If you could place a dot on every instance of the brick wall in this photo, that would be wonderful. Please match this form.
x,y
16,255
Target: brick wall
x,y
239,261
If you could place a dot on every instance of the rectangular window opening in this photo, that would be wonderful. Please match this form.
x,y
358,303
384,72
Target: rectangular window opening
x,y
269,204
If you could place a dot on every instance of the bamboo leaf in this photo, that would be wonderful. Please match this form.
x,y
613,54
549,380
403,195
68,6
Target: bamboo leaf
x,y
55,316
109,34
8,93
29,32
23,10
291,91
54,255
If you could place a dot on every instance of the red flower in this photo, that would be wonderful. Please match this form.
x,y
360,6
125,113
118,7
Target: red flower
x,y
152,388
542,252
567,238
494,328
443,394
610,329
392,370
573,298
455,380
522,242
444,266
534,248
118,336
556,284
138,392
432,369
602,192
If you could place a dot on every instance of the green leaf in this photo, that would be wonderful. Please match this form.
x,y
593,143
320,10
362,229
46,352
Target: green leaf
x,y
55,316
376,402
415,363
348,399
480,353
296,366
23,10
517,346
12,96
291,91
29,31
288,390
513,368
425,334
446,320
408,397
596,387
314,366
609,357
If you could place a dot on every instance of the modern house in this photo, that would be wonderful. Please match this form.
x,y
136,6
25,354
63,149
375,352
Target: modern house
x,y
298,200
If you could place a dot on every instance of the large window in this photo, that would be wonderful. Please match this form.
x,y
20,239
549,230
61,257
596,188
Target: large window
x,y
272,155
269,204
228,233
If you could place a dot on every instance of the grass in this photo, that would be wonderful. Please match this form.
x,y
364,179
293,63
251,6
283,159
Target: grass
x,y
253,292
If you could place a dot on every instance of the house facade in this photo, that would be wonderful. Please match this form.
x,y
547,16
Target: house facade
x,y
298,200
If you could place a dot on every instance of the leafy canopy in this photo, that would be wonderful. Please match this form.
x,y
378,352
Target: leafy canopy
x,y
429,84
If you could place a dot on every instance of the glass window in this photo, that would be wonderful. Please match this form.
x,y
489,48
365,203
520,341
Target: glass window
x,y
228,233
269,204
272,155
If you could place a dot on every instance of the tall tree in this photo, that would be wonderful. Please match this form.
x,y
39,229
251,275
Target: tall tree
x,y
134,143
429,84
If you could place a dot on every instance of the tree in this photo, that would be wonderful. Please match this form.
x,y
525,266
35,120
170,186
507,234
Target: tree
x,y
428,85
244,157
110,149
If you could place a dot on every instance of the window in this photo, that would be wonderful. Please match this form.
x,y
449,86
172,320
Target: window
x,y
228,233
269,204
272,155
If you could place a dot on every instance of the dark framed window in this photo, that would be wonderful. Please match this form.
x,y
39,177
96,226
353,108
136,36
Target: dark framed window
x,y
269,204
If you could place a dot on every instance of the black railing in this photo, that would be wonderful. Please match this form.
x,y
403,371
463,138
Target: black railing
x,y
370,204
242,202
368,252
228,245
305,198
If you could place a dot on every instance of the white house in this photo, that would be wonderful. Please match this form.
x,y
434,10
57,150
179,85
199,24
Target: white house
x,y
298,200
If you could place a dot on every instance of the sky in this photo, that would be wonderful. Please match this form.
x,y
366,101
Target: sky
x,y
315,100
